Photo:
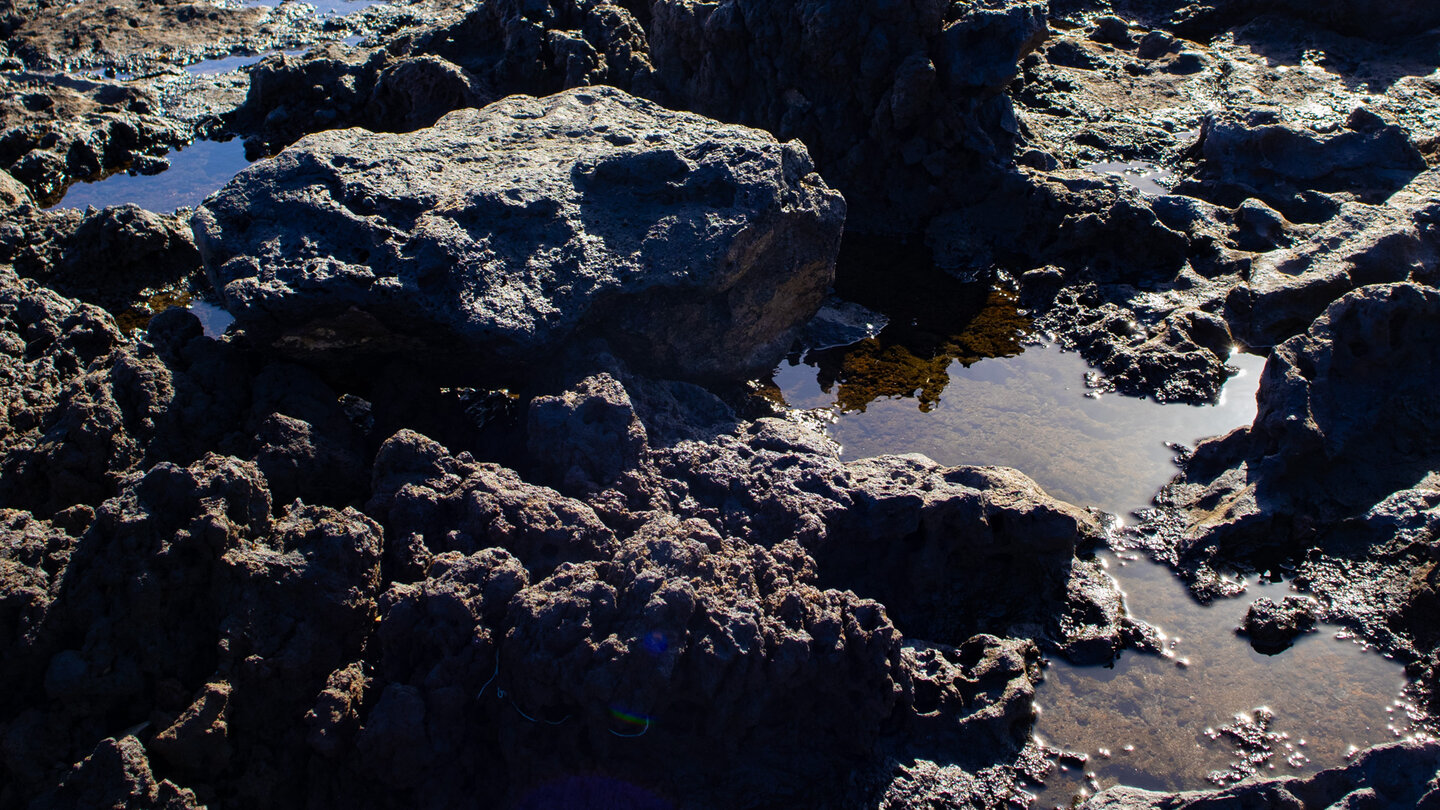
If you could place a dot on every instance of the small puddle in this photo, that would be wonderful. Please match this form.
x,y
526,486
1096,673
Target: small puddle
x,y
1214,710
214,319
227,64
1147,177
954,377
324,8
195,172
1030,411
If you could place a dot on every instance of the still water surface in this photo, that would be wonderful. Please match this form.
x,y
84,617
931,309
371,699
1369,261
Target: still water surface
x,y
195,172
1148,721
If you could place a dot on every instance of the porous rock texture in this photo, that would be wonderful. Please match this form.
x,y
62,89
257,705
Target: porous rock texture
x,y
1272,626
56,130
691,246
232,581
897,102
142,252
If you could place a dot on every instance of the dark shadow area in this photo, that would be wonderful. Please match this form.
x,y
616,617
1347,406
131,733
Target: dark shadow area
x,y
934,319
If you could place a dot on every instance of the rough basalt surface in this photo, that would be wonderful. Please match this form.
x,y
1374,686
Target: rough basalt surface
x,y
1272,626
689,245
380,577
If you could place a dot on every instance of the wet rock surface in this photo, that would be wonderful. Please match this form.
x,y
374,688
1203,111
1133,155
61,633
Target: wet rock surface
x,y
230,579
1272,626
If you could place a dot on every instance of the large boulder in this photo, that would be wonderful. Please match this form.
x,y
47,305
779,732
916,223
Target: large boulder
x,y
901,101
1345,419
692,246
1347,410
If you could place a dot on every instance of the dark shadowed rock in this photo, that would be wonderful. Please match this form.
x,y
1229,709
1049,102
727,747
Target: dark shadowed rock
x,y
1401,20
33,556
585,438
438,640
1288,288
143,403
897,101
45,341
432,502
117,775
112,257
1347,410
725,656
1272,626
1345,416
693,246
1101,226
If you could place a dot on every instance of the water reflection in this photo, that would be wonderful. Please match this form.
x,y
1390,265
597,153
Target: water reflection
x,y
195,172
1157,723
1147,177
1029,411
958,382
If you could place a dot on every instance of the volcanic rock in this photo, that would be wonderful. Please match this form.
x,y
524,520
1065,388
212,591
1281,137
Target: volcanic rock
x,y
1290,168
112,257
692,246
1272,626
1343,420
432,502
117,774
56,129
1288,288
897,101
45,341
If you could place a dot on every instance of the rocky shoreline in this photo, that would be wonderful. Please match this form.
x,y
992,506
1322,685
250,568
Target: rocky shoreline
x,y
476,505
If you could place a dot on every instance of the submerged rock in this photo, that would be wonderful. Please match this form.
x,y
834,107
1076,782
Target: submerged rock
x,y
692,246
1272,626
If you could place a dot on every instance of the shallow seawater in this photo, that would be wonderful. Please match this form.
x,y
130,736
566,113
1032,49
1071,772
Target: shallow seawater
x,y
195,172
1033,412
974,390
213,318
1147,177
1160,722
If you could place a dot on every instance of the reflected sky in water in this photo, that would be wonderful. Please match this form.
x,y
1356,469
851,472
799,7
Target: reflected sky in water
x,y
1330,693
195,172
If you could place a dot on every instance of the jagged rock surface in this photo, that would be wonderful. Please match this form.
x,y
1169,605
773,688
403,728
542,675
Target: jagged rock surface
x,y
692,246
